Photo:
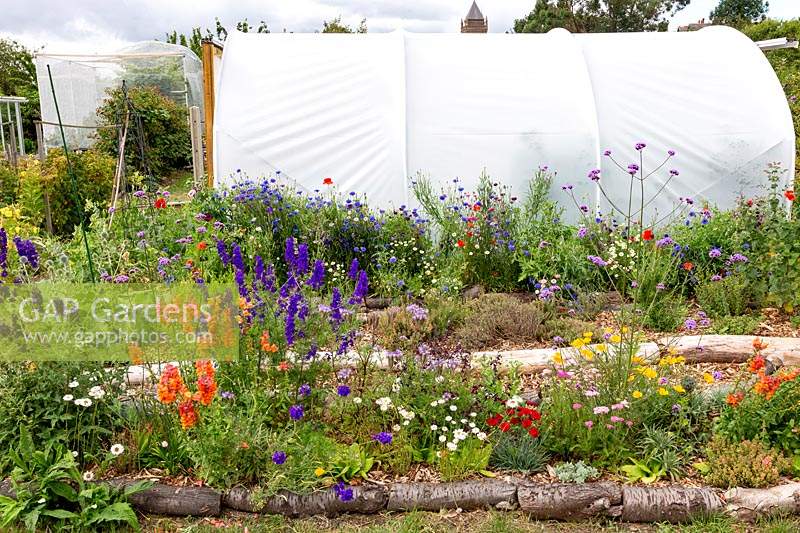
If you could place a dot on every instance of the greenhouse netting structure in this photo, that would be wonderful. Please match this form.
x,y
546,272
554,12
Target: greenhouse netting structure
x,y
82,81
372,111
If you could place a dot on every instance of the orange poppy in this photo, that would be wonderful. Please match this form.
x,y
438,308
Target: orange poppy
x,y
202,245
688,265
160,203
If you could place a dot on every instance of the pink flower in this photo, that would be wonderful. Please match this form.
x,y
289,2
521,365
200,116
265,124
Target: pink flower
x,y
589,393
617,407
617,419
577,406
588,424
610,426
601,410
629,423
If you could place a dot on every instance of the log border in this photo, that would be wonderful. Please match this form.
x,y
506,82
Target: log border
x,y
541,501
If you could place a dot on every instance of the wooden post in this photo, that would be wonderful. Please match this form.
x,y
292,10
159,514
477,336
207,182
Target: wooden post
x,y
211,52
197,145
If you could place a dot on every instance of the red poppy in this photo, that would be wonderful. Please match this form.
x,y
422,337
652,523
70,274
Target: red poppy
x,y
647,235
202,245
536,415
505,426
533,432
527,423
476,207
789,195
688,265
460,243
160,203
327,181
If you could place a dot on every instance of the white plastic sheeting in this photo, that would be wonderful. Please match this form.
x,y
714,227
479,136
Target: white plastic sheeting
x,y
82,82
372,111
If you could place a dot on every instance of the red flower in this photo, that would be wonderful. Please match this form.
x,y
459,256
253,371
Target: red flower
x,y
327,181
533,432
505,426
476,207
527,423
789,195
160,203
647,235
536,415
493,421
201,245
460,243
757,363
688,265
734,399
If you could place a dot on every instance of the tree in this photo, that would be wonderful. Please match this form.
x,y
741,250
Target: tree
x,y
738,13
18,78
584,16
336,26
221,32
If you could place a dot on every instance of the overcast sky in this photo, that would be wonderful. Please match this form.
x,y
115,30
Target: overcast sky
x,y
104,25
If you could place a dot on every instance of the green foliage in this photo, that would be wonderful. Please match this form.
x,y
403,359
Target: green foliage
x,y
738,13
471,457
32,396
585,16
743,464
336,26
50,491
661,452
728,297
517,451
736,325
772,418
667,313
497,317
647,471
164,127
18,78
350,462
786,64
575,472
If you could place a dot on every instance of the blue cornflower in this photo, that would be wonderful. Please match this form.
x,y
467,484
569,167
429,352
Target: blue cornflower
x,y
279,457
296,412
383,437
343,390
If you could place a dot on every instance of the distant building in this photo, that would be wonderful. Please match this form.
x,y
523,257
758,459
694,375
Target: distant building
x,y
694,26
475,21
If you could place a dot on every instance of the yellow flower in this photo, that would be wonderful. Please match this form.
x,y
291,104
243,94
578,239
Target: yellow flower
x,y
630,378
624,329
587,354
578,343
663,392
679,389
637,394
601,347
558,359
649,373
588,334
615,338
708,378
319,471
637,360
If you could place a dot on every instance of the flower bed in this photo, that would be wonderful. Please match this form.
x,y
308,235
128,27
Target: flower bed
x,y
331,407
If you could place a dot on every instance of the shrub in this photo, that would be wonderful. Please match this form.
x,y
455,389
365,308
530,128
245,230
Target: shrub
x,y
94,174
575,472
666,314
661,447
727,297
500,317
165,130
516,450
743,464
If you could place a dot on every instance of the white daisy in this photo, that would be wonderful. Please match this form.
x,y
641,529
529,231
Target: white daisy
x,y
88,476
117,449
68,397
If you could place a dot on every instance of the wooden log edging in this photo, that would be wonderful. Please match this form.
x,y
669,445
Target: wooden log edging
x,y
542,501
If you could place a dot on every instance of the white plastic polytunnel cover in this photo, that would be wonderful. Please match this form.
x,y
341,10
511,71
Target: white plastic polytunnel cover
x,y
372,111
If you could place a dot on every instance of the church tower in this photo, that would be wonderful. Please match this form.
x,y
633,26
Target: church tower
x,y
475,21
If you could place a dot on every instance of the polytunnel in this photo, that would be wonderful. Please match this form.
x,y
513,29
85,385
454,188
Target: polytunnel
x,y
373,111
